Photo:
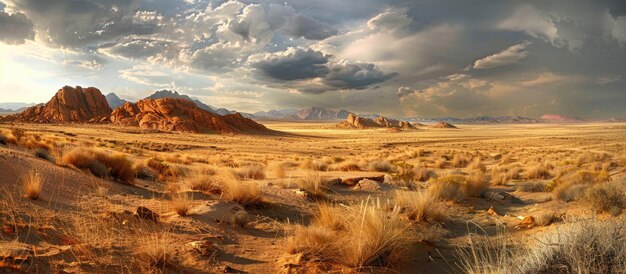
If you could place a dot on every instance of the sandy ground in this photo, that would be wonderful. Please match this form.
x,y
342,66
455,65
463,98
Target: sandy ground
x,y
72,200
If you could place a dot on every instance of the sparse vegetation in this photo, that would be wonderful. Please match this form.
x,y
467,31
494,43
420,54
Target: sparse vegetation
x,y
33,184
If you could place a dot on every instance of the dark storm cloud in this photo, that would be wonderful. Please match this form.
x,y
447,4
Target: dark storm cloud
x,y
309,28
311,71
79,23
15,28
293,64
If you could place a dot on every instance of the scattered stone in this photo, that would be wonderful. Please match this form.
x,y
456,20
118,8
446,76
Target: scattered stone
x,y
444,125
148,214
527,222
354,181
368,185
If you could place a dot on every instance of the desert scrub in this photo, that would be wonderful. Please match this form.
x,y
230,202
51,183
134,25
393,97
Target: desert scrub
x,y
456,187
181,203
420,206
381,166
32,183
606,197
101,164
255,171
358,236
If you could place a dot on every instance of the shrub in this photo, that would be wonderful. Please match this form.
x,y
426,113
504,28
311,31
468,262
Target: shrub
x,y
254,171
313,184
155,251
101,164
369,235
380,166
477,164
475,184
420,206
423,174
181,203
532,187
316,164
277,170
33,183
450,187
246,194
459,161
538,172
606,197
44,154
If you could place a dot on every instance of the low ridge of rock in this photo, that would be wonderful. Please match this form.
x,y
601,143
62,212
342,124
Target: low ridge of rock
x,y
358,122
69,105
177,114
444,125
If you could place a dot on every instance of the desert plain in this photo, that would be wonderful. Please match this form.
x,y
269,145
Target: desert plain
x,y
313,198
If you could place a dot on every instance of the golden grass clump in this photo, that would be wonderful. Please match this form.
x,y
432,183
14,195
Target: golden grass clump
x,y
247,194
359,236
254,171
313,183
181,203
32,183
475,184
606,197
420,206
155,251
380,166
450,187
314,164
459,161
477,164
346,165
423,174
277,170
541,171
100,163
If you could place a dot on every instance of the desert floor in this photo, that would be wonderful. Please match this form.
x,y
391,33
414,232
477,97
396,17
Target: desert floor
x,y
239,203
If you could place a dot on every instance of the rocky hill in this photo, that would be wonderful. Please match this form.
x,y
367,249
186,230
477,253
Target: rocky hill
x,y
69,105
358,122
444,125
556,118
114,101
312,113
177,114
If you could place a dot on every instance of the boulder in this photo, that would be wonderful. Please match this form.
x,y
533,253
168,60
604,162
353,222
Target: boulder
x,y
69,105
177,114
354,181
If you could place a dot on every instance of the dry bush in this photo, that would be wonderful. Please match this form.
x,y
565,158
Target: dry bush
x,y
347,165
541,171
589,246
277,170
423,174
449,187
315,164
488,255
247,194
440,163
607,197
202,183
313,184
32,183
459,161
475,184
100,163
532,187
181,203
380,166
506,159
369,235
254,172
420,206
544,218
44,154
154,252
477,164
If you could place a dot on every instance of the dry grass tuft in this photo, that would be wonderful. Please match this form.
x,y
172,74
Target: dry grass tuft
x,y
247,194
459,161
315,164
606,197
33,183
254,172
368,235
181,203
532,187
155,252
101,164
277,170
420,206
380,166
450,187
312,183
423,174
541,171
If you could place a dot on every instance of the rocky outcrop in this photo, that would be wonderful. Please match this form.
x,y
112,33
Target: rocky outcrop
x,y
176,114
358,122
444,125
69,105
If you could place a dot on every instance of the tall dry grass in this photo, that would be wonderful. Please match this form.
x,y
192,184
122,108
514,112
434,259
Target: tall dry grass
x,y
33,184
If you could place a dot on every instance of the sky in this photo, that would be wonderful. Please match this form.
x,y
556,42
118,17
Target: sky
x,y
401,58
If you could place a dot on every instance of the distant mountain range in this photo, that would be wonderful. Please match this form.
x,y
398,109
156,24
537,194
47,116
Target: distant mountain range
x,y
14,106
114,101
312,113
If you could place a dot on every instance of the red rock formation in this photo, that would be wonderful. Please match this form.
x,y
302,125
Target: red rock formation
x,y
69,105
357,122
176,114
444,125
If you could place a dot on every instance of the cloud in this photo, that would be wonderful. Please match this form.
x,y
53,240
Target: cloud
x,y
390,19
140,48
534,23
309,28
15,28
310,71
506,57
405,91
291,64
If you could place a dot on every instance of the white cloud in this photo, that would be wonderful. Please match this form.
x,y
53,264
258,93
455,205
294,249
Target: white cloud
x,y
533,22
509,56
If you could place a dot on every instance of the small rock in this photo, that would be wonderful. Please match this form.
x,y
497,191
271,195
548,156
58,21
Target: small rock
x,y
527,222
